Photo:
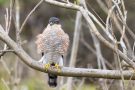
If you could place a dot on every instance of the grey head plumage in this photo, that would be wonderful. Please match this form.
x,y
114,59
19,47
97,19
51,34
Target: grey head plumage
x,y
54,20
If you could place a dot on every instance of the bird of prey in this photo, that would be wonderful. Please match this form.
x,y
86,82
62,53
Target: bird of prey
x,y
52,44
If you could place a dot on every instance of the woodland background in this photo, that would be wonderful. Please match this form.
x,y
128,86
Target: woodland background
x,y
21,77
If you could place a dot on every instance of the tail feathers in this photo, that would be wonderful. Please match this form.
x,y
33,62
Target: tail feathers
x,y
52,81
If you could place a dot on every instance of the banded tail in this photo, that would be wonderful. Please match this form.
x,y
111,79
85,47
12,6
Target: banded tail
x,y
52,79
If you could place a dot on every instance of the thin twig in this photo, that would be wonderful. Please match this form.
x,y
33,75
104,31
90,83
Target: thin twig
x,y
102,5
6,85
120,67
5,66
18,41
24,22
94,52
10,15
2,52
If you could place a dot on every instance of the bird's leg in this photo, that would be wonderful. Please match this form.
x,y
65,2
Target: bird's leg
x,y
47,66
42,60
57,67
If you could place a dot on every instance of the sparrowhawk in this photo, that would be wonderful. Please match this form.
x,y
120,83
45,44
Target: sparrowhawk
x,y
52,44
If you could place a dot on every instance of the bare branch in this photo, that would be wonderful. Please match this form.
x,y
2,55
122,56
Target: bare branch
x,y
24,22
5,66
65,71
94,52
2,52
65,5
5,83
95,31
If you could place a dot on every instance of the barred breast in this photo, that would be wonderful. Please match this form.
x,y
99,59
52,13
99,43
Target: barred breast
x,y
53,39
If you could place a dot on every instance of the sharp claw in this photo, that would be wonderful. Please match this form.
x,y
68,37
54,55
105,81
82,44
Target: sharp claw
x,y
47,66
57,67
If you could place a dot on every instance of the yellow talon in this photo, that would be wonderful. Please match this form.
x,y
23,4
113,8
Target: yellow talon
x,y
57,67
47,66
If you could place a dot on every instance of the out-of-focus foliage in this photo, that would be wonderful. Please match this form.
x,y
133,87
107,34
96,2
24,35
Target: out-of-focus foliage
x,y
2,2
33,80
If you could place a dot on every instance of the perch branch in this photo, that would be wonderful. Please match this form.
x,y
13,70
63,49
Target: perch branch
x,y
65,71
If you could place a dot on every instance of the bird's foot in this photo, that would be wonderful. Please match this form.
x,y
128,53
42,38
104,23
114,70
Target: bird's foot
x,y
57,67
47,66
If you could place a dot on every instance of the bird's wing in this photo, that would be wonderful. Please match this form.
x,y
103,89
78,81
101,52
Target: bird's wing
x,y
65,42
39,43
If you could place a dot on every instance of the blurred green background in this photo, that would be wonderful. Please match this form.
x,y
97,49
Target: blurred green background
x,y
29,79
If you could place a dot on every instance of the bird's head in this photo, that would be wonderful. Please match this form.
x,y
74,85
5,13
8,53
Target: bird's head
x,y
54,20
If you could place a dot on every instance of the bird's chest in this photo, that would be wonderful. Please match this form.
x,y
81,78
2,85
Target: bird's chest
x,y
52,40
52,57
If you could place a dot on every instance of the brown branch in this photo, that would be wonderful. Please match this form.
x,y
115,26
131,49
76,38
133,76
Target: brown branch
x,y
2,52
65,5
101,38
65,71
